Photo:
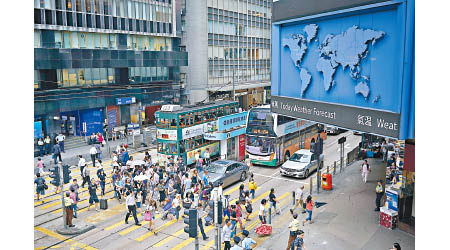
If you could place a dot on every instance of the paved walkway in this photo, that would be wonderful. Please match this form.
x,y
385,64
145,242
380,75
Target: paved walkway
x,y
348,220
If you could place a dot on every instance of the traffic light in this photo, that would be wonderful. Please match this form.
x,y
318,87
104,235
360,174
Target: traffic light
x,y
320,146
55,176
66,174
212,211
312,147
191,221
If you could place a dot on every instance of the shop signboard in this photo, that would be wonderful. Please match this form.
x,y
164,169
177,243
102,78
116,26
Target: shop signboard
x,y
213,149
166,134
38,130
392,200
218,136
125,100
230,121
350,68
192,131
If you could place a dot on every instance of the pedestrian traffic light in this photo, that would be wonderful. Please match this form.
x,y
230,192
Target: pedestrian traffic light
x,y
66,174
191,221
211,212
55,176
220,212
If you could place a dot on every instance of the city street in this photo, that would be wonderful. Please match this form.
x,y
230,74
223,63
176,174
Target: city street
x,y
111,232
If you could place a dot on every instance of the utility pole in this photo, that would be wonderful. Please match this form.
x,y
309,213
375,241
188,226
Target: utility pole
x,y
62,194
317,153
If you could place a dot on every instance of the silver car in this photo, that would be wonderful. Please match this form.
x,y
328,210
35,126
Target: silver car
x,y
300,164
227,172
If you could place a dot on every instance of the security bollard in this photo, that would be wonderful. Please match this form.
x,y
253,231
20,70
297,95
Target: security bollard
x,y
270,215
310,186
334,170
328,169
293,197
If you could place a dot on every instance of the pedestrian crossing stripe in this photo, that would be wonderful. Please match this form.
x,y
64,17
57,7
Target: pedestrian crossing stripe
x,y
145,236
62,238
167,239
83,202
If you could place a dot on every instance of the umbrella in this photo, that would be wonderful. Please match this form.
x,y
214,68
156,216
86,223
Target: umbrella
x,y
141,177
137,162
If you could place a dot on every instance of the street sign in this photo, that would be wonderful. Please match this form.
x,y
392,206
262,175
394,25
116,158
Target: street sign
x,y
125,100
342,140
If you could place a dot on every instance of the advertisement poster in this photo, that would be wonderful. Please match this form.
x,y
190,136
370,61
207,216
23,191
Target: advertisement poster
x,y
213,150
241,147
166,134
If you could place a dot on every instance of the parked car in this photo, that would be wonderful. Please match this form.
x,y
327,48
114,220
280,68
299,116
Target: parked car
x,y
300,164
332,130
227,172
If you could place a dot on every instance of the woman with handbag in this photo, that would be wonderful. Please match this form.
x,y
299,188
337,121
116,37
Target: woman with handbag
x,y
176,206
149,215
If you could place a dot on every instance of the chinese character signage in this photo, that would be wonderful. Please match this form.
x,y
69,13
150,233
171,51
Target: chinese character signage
x,y
192,131
372,121
230,121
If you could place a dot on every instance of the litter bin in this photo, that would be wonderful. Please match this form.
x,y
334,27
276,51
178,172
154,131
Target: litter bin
x,y
327,182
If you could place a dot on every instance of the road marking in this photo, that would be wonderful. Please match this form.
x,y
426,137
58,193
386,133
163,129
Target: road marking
x,y
96,218
166,240
145,236
279,178
62,238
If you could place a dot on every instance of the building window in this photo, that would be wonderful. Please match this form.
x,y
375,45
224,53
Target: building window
x,y
88,76
58,39
82,40
89,6
112,41
37,38
81,77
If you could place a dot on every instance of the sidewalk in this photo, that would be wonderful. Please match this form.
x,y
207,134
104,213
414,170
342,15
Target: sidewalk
x,y
348,220
70,157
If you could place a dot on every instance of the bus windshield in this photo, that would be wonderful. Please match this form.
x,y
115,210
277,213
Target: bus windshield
x,y
260,145
260,118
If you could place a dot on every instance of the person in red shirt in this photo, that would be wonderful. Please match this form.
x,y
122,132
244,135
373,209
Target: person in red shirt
x,y
309,208
239,214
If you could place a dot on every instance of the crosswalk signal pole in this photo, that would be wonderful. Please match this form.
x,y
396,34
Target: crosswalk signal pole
x,y
61,182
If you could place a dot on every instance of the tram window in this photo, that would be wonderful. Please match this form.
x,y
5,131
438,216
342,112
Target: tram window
x,y
182,121
173,122
213,114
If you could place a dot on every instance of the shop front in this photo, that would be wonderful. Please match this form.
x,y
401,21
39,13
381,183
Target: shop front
x,y
230,132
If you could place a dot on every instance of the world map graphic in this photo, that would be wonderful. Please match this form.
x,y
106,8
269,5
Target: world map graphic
x,y
347,49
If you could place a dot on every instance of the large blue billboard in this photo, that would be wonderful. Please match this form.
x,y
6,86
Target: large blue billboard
x,y
357,57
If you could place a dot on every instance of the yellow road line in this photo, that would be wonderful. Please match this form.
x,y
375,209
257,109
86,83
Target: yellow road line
x,y
167,239
63,238
189,240
145,236
83,202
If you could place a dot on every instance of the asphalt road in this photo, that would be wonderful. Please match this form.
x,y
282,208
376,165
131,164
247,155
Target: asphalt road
x,y
112,233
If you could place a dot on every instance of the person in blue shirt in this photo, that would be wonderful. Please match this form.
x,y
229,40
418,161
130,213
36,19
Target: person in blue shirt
x,y
40,185
298,242
247,241
126,157
56,152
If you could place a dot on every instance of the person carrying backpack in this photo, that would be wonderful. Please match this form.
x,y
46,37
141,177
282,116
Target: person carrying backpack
x,y
40,185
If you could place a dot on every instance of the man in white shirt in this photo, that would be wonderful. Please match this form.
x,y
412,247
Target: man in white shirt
x,y
226,234
93,152
298,199
81,164
131,205
60,138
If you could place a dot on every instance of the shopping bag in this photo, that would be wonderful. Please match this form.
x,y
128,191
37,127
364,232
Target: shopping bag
x,y
147,216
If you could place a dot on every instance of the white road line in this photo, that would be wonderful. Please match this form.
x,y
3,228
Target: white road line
x,y
278,178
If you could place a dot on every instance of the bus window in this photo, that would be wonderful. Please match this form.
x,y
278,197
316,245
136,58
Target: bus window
x,y
197,117
182,121
173,123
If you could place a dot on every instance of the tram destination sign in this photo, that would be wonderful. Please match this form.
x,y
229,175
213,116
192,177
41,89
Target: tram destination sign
x,y
372,121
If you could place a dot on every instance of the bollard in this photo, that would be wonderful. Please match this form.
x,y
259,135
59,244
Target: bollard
x,y
328,169
270,215
334,170
319,177
310,186
293,197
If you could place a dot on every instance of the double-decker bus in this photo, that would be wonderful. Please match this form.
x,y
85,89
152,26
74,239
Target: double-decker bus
x,y
180,129
271,138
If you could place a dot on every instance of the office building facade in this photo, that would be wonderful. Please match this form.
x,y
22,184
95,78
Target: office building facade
x,y
228,42
103,60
